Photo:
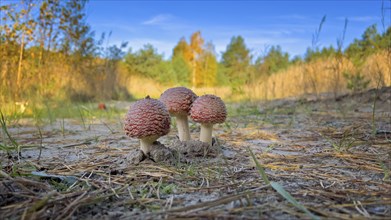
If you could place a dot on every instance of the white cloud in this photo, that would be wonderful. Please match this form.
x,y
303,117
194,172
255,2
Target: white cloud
x,y
292,16
269,41
117,26
361,18
158,19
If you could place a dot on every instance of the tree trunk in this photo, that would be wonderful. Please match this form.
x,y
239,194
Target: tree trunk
x,y
193,81
19,75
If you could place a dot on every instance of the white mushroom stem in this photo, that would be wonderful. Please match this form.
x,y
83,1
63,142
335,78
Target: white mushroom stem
x,y
183,127
206,133
146,143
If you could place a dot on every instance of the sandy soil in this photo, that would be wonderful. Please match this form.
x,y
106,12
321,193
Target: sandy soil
x,y
331,155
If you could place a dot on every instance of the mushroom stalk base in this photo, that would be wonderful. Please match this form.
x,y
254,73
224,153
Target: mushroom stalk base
x,y
183,127
146,144
206,133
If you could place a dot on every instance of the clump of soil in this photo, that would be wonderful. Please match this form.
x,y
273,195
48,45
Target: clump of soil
x,y
159,153
135,156
185,150
194,148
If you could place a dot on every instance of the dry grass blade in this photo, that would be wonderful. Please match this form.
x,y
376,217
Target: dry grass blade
x,y
210,204
39,204
5,175
259,167
276,186
71,207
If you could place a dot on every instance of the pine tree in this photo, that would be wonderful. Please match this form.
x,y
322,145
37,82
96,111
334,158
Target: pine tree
x,y
273,61
236,60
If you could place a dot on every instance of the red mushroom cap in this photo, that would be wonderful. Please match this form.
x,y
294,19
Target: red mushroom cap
x,y
147,117
208,109
178,100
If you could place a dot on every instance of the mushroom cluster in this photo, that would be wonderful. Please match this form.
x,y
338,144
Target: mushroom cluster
x,y
148,119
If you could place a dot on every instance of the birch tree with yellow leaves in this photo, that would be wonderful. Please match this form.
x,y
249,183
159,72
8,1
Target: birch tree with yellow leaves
x,y
199,58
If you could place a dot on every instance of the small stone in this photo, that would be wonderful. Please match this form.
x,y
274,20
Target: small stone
x,y
135,156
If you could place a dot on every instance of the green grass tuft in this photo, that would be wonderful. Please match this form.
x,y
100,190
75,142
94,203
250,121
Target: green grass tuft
x,y
15,145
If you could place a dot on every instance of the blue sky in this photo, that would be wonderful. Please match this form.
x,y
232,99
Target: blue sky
x,y
289,24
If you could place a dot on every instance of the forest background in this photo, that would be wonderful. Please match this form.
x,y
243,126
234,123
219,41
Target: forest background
x,y
49,53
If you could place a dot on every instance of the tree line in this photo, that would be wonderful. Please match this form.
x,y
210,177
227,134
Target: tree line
x,y
194,62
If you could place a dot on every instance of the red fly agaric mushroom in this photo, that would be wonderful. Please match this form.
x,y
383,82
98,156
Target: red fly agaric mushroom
x,y
178,101
208,110
102,106
147,120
